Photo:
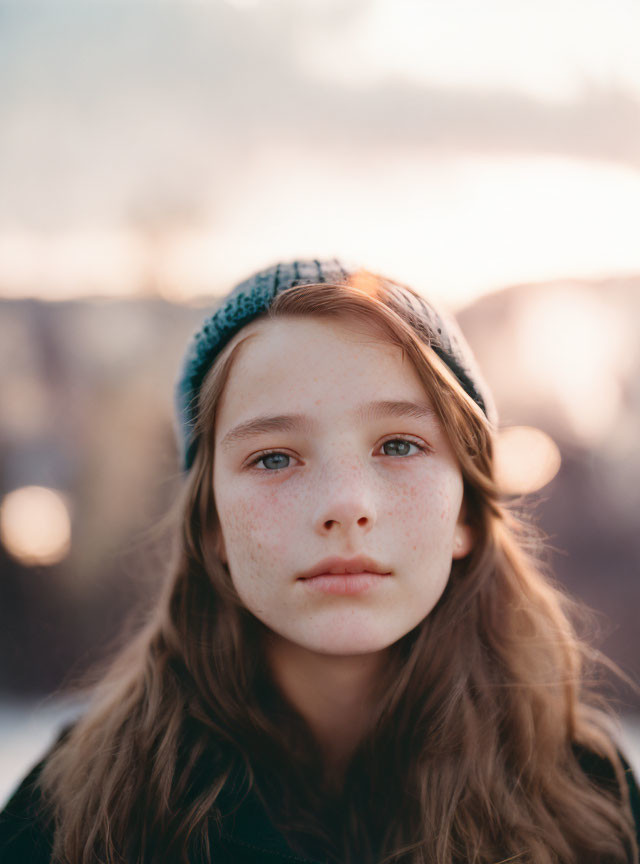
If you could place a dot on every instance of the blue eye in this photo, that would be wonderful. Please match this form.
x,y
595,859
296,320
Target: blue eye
x,y
277,457
401,446
276,460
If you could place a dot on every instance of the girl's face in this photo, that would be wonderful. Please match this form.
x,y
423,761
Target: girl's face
x,y
344,467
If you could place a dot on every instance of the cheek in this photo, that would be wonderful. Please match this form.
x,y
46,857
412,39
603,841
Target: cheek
x,y
430,518
255,525
426,512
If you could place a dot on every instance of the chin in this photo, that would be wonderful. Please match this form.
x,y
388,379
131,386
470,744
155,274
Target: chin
x,y
350,644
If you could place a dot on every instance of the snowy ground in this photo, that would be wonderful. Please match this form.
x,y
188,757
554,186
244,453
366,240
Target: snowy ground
x,y
27,729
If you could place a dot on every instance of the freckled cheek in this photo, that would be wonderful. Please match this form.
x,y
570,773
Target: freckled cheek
x,y
257,524
424,509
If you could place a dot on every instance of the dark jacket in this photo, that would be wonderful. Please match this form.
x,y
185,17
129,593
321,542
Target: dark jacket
x,y
247,835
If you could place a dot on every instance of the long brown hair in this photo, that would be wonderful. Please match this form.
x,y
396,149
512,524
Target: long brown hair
x,y
470,754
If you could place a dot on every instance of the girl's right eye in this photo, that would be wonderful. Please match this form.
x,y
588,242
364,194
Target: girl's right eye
x,y
281,460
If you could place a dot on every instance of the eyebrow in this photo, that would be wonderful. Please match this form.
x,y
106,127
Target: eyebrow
x,y
301,423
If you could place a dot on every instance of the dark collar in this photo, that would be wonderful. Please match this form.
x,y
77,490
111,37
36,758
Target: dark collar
x,y
246,823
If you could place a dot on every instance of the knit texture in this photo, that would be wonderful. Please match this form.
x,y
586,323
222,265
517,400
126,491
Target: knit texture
x,y
251,298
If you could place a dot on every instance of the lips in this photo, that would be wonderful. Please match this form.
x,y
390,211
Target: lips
x,y
345,566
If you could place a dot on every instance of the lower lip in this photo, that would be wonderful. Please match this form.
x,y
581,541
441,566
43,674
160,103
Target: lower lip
x,y
348,583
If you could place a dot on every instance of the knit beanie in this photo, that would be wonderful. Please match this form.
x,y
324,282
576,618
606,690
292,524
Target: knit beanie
x,y
252,298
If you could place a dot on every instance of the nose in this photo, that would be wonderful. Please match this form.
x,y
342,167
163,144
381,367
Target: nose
x,y
344,500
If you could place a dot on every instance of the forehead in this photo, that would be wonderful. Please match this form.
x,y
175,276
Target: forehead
x,y
317,362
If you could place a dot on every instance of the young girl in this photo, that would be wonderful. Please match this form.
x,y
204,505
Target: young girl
x,y
356,657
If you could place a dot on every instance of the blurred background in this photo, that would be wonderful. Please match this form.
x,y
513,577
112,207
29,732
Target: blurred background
x,y
153,153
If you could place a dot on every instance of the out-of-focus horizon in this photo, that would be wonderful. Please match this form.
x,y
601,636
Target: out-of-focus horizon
x,y
168,148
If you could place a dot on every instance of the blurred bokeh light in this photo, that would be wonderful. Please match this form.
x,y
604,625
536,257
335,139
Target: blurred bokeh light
x,y
35,525
526,460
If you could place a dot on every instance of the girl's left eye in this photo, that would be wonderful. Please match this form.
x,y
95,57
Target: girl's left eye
x,y
400,446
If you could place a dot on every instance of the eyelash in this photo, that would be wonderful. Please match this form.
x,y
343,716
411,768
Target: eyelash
x,y
424,448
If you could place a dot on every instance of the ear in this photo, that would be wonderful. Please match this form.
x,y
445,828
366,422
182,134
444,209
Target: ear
x,y
462,536
462,541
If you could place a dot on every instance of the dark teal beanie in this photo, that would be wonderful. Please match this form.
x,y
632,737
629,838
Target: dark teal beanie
x,y
252,298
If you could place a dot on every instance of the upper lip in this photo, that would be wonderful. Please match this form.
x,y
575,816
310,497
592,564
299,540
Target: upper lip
x,y
360,564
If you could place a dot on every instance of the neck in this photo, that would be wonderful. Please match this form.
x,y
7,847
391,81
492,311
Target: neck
x,y
335,695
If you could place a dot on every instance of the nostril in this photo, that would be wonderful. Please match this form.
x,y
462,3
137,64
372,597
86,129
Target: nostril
x,y
362,521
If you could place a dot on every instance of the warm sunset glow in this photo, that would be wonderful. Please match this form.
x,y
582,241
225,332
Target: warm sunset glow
x,y
458,226
574,347
526,459
35,526
59,265
459,146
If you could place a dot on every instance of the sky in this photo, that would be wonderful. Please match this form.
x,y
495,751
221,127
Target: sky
x,y
173,147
